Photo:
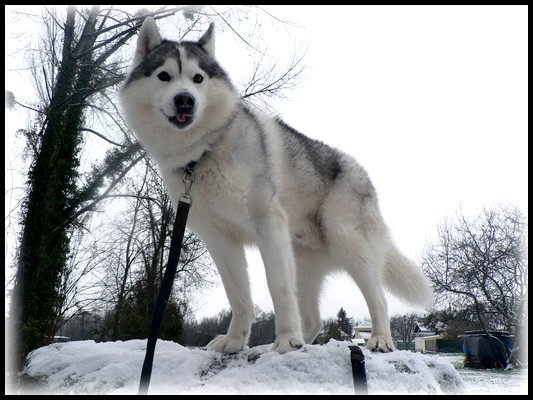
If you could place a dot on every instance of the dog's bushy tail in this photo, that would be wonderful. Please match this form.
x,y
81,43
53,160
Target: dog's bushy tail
x,y
407,281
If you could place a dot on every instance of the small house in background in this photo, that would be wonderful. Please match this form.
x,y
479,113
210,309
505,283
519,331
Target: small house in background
x,y
344,335
60,339
425,340
325,334
427,343
361,334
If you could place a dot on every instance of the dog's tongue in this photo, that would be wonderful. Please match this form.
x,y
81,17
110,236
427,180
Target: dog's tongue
x,y
181,117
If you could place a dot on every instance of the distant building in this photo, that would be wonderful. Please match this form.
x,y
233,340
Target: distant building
x,y
361,334
420,330
424,340
427,343
60,339
323,336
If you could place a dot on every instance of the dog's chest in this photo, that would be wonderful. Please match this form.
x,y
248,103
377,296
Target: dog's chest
x,y
220,200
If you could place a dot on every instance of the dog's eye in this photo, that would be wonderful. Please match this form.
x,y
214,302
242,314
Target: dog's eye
x,y
197,78
164,76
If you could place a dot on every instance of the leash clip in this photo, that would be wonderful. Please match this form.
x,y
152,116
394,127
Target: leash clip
x,y
188,180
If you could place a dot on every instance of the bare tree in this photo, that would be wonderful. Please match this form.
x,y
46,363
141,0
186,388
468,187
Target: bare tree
x,y
141,238
450,322
201,333
481,264
76,67
403,327
263,328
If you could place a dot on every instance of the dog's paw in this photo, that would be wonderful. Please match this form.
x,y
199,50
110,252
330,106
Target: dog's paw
x,y
226,344
382,344
285,344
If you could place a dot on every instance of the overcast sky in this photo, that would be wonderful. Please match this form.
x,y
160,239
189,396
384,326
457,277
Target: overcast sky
x,y
431,100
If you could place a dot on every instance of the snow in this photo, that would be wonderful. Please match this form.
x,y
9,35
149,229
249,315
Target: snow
x,y
490,381
86,367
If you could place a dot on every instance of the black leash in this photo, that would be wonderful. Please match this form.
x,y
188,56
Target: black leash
x,y
358,370
178,232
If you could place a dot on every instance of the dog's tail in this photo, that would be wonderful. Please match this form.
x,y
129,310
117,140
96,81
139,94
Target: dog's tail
x,y
407,281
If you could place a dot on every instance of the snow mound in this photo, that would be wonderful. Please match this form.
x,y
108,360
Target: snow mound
x,y
86,367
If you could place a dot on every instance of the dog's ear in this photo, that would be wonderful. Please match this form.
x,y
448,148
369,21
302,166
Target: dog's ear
x,y
207,41
149,38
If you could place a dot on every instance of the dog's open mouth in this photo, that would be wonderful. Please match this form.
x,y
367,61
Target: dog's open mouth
x,y
181,120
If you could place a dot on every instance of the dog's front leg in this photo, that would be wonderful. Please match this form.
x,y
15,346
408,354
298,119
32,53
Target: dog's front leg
x,y
230,260
274,244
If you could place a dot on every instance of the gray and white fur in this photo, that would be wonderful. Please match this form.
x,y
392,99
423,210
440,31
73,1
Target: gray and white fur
x,y
310,209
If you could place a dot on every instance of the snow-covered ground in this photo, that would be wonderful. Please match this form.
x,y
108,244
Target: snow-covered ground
x,y
490,382
86,367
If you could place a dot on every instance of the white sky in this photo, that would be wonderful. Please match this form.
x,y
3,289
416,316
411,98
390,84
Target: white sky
x,y
431,100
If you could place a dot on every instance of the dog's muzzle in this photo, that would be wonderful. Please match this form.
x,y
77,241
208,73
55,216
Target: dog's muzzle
x,y
184,105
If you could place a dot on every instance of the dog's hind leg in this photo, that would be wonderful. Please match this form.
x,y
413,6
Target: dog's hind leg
x,y
230,260
364,263
359,242
367,277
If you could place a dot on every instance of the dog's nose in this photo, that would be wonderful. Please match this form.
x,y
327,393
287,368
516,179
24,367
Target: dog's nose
x,y
184,102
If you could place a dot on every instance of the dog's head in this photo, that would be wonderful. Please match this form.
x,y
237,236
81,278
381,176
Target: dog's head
x,y
175,88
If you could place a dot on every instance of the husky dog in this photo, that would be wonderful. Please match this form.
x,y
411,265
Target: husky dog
x,y
310,209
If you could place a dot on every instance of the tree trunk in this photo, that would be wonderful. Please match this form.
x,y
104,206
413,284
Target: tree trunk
x,y
45,238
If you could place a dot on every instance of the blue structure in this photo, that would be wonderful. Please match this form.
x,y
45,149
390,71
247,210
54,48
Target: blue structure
x,y
484,351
